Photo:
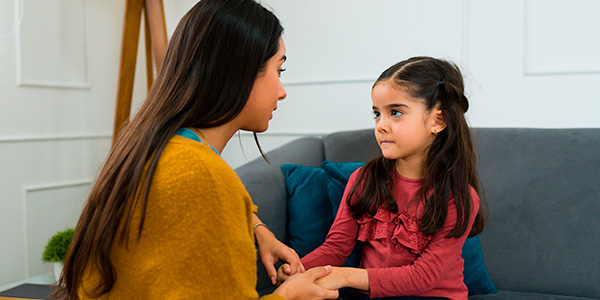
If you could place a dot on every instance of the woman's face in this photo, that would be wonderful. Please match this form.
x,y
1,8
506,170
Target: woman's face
x,y
266,91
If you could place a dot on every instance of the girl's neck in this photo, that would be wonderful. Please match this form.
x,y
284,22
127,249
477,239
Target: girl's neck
x,y
410,168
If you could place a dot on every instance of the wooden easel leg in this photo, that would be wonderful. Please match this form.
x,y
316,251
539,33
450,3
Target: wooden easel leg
x,y
155,14
129,46
149,66
156,45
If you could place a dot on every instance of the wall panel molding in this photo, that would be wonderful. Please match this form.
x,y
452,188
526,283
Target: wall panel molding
x,y
60,58
320,81
53,138
465,27
561,37
33,207
276,133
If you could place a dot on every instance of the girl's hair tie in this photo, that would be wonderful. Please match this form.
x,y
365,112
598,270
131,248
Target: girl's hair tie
x,y
440,82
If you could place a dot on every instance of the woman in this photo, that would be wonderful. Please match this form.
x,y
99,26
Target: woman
x,y
167,218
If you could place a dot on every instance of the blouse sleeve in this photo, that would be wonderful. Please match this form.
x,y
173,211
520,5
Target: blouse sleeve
x,y
341,237
438,256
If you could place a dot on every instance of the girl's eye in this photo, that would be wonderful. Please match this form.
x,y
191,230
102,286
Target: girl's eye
x,y
281,71
376,114
396,113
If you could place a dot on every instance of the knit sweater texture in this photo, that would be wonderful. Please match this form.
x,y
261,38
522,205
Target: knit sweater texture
x,y
197,240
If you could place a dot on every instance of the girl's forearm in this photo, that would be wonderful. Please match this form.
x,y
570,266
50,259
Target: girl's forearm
x,y
356,278
346,277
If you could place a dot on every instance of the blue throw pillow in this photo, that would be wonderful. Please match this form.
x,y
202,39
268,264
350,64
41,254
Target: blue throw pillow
x,y
309,210
338,174
476,276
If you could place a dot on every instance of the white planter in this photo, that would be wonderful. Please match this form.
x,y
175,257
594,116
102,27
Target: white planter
x,y
58,266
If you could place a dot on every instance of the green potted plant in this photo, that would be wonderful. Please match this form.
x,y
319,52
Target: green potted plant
x,y
56,249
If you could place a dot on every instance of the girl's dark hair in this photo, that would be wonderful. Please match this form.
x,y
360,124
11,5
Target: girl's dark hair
x,y
215,54
450,163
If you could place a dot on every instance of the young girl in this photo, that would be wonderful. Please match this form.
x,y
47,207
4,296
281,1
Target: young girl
x,y
167,217
414,206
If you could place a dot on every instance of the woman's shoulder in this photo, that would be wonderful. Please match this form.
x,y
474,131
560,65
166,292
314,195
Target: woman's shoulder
x,y
188,158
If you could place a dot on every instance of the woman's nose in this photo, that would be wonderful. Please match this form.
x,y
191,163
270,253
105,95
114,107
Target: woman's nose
x,y
282,92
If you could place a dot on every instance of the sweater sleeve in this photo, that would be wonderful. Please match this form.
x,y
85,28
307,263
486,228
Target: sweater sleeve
x,y
341,237
438,257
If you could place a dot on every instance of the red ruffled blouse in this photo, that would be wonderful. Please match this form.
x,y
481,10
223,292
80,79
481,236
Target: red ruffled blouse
x,y
400,260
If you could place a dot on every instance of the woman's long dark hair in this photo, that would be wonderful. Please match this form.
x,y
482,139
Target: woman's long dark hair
x,y
211,63
450,163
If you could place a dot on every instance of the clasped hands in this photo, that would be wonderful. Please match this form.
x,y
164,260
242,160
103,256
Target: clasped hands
x,y
301,284
271,250
335,280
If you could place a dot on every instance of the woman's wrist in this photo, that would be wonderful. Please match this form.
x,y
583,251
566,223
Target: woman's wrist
x,y
262,233
282,291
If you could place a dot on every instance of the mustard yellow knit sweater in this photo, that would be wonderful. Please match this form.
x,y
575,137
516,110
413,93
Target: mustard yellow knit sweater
x,y
197,241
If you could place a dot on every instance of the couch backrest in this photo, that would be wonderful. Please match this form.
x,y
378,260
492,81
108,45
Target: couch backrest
x,y
542,187
266,185
359,145
543,191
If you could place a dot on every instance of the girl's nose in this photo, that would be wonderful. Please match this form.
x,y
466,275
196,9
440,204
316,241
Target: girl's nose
x,y
381,125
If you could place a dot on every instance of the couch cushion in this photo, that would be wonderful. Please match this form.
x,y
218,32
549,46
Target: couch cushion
x,y
543,191
476,276
338,174
309,210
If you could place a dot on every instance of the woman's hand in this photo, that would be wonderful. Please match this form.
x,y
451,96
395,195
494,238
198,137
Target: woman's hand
x,y
271,250
303,286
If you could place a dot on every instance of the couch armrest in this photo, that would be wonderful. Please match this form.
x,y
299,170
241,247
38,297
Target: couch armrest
x,y
266,185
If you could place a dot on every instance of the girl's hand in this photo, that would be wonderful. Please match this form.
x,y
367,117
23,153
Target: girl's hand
x,y
334,281
284,273
271,250
345,277
303,286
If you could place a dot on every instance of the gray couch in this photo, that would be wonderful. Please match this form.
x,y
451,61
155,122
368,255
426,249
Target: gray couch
x,y
542,187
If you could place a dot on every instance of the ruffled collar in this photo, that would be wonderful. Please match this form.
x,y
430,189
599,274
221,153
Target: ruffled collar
x,y
401,228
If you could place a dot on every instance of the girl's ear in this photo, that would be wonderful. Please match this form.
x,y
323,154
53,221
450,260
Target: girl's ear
x,y
439,123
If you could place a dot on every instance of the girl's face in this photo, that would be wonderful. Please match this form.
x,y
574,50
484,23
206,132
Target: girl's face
x,y
403,127
266,91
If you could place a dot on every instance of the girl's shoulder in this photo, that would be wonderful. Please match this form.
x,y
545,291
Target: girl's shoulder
x,y
354,177
475,200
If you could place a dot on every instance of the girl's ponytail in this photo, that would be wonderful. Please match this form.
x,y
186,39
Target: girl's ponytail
x,y
450,164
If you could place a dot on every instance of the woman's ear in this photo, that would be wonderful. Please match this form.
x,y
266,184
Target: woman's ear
x,y
439,123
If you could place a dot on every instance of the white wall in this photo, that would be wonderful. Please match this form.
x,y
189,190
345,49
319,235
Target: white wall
x,y
527,63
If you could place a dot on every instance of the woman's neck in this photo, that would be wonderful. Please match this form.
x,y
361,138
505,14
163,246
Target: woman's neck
x,y
217,137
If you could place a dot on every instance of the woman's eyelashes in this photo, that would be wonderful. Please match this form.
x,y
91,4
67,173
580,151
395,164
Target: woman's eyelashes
x,y
281,71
